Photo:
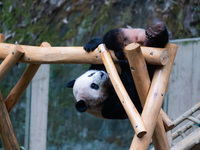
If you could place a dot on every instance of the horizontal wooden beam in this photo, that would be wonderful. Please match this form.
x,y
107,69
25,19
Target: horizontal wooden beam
x,y
76,55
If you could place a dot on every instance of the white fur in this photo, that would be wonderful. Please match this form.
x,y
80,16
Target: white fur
x,y
82,90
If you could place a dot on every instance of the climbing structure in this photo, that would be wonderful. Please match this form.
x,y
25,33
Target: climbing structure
x,y
152,124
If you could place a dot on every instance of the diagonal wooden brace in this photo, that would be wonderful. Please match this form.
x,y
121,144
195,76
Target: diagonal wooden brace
x,y
16,93
130,109
10,60
154,100
7,132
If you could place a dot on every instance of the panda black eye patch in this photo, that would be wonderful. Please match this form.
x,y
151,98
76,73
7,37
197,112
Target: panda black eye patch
x,y
94,86
91,74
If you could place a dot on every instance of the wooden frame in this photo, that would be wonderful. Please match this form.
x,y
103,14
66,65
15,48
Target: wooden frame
x,y
144,126
154,100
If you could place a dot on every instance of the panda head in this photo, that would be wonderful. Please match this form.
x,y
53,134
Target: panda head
x,y
90,90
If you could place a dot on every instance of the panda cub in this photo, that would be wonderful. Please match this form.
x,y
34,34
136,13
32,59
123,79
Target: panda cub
x,y
93,90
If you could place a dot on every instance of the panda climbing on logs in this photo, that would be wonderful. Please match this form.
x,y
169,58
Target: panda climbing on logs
x,y
93,90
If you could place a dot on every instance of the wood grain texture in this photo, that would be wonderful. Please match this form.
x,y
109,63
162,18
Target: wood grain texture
x,y
75,55
2,38
154,100
142,82
10,60
7,132
130,109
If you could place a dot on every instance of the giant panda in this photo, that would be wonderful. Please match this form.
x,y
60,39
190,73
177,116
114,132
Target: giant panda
x,y
93,90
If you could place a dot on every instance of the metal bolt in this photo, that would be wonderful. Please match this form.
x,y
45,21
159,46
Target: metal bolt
x,y
132,69
28,58
151,54
136,125
99,51
162,94
13,52
96,56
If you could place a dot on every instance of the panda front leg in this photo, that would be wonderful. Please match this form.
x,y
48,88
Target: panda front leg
x,y
93,44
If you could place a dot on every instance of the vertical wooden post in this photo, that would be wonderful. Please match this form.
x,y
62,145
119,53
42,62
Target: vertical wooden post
x,y
142,82
154,100
7,133
130,109
22,84
10,60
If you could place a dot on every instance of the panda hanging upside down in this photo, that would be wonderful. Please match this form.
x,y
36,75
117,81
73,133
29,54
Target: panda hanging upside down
x,y
93,90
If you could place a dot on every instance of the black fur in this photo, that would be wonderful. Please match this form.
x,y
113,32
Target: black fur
x,y
112,108
70,83
113,40
157,36
81,106
92,45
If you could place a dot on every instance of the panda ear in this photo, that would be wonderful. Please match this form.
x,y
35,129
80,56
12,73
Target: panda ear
x,y
81,106
70,83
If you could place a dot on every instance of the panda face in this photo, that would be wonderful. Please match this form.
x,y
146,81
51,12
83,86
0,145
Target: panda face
x,y
91,88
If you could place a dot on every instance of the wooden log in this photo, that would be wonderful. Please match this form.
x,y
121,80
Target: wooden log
x,y
187,114
22,84
10,60
183,128
154,100
193,119
142,82
130,109
160,140
168,123
139,70
141,78
7,132
156,56
189,142
2,38
74,55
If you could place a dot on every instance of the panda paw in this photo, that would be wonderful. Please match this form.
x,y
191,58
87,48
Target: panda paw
x,y
93,44
155,30
157,35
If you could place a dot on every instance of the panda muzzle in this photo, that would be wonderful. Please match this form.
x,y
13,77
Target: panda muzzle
x,y
81,106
